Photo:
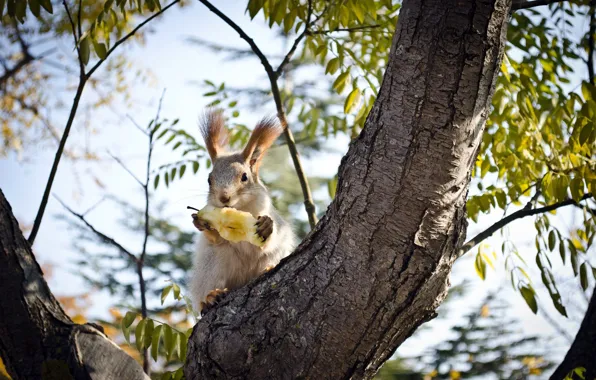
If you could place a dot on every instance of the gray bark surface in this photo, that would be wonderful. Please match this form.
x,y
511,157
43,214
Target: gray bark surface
x,y
582,353
37,339
377,265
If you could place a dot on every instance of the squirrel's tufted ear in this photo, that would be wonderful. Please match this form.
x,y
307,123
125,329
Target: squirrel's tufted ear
x,y
214,132
262,137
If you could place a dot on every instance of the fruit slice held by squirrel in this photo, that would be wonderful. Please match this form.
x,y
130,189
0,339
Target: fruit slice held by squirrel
x,y
233,225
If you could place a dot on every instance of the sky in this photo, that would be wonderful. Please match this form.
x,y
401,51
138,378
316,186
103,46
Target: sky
x,y
177,66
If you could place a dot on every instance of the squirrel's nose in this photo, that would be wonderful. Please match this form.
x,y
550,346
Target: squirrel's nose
x,y
224,199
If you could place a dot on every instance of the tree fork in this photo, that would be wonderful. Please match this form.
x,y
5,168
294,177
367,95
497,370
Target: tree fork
x,y
377,265
37,339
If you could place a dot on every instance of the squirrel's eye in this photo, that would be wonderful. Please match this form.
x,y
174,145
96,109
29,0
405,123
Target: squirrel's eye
x,y
209,180
244,177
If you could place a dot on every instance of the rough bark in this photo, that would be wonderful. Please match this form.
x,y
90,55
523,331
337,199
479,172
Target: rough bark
x,y
37,339
582,352
377,265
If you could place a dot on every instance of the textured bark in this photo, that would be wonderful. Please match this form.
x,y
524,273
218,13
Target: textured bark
x,y
37,339
377,265
582,352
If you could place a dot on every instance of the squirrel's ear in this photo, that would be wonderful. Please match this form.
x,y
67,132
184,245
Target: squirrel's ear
x,y
262,137
214,132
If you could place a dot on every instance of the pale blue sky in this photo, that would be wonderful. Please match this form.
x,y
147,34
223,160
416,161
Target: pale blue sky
x,y
175,63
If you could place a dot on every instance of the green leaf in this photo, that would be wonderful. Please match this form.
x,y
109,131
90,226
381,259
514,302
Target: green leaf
x,y
129,319
586,132
156,181
148,333
100,49
352,99
140,334
551,240
21,10
182,345
179,373
530,298
167,179
182,170
332,187
84,50
340,82
168,341
155,342
332,66
165,292
583,276
176,291
195,167
480,265
33,5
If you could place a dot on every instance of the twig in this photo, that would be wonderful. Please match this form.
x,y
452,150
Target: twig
x,y
125,168
141,261
516,215
517,5
292,50
136,124
71,116
130,34
103,236
308,202
75,104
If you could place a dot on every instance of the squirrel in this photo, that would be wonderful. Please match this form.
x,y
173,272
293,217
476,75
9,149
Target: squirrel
x,y
220,265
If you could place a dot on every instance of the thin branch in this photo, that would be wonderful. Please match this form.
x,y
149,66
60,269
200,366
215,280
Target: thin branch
x,y
76,42
132,32
136,124
243,35
292,50
516,215
71,116
308,202
141,261
517,5
126,168
353,29
83,77
102,236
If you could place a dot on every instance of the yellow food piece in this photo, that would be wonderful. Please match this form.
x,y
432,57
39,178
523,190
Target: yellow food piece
x,y
232,225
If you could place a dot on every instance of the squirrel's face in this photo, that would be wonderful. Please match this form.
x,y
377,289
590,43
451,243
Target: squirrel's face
x,y
232,182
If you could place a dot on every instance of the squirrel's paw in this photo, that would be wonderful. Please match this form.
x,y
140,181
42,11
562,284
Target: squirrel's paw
x,y
213,297
268,268
264,227
200,224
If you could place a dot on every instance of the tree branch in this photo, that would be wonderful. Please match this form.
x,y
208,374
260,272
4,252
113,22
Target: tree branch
x,y
516,215
517,5
126,168
83,77
37,338
308,202
130,34
73,110
103,236
292,50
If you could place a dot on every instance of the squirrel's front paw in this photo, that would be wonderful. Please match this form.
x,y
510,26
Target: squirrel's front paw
x,y
201,224
264,227
213,297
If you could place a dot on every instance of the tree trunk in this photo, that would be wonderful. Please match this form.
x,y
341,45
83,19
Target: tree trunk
x,y
582,352
377,265
37,339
